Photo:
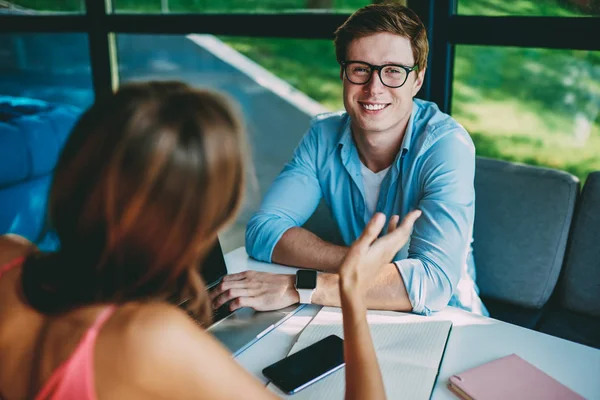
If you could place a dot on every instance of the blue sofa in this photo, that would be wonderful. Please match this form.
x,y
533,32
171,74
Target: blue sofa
x,y
32,134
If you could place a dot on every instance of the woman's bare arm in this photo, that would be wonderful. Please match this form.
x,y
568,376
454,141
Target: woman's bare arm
x,y
364,259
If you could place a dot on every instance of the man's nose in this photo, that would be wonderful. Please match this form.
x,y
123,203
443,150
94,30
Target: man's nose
x,y
375,85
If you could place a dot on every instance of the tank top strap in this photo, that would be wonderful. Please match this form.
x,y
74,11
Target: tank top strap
x,y
12,264
101,319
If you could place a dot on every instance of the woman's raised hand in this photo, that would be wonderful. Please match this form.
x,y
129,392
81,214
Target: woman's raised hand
x,y
369,252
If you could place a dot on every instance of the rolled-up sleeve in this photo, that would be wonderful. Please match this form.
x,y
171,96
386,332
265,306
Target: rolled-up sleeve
x,y
289,202
441,237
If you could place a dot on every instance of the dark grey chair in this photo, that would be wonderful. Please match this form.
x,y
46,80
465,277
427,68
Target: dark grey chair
x,y
522,219
577,315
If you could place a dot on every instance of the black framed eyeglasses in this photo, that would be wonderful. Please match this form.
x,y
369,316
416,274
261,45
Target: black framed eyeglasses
x,y
391,75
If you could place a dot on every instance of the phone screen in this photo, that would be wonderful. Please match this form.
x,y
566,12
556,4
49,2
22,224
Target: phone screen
x,y
308,365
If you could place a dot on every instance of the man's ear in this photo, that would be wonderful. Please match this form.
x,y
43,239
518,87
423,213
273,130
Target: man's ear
x,y
418,82
341,73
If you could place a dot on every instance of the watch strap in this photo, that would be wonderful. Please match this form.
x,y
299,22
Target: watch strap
x,y
305,295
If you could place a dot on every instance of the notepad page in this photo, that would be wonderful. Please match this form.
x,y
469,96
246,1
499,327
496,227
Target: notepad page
x,y
409,349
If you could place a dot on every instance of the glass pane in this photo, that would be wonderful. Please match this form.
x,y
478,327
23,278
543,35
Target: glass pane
x,y
550,8
50,67
537,106
43,5
277,114
45,84
308,65
224,6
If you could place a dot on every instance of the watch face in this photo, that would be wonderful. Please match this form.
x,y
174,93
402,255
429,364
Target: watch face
x,y
306,279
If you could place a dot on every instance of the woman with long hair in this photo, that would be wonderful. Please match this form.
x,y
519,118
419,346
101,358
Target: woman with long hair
x,y
146,180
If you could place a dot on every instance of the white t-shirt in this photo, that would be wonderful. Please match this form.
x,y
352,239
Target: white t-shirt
x,y
372,183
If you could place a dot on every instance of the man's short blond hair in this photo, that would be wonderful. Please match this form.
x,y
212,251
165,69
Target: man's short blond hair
x,y
378,18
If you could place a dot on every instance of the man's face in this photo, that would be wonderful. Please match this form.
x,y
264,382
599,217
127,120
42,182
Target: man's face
x,y
373,107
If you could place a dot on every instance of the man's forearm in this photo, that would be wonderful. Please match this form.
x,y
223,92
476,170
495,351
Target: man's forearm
x,y
299,247
386,292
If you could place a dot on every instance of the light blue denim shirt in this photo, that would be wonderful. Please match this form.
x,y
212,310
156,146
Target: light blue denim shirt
x,y
434,172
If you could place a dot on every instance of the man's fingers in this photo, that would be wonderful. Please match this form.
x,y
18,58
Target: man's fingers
x,y
253,302
232,294
226,285
235,277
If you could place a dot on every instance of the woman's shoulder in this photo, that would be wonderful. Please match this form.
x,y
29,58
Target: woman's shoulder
x,y
13,246
147,331
149,323
158,346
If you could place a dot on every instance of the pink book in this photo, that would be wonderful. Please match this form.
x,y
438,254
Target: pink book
x,y
508,377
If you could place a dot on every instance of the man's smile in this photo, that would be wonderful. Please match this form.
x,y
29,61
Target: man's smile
x,y
372,107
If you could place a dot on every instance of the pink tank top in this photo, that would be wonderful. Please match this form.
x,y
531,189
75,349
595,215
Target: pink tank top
x,y
73,379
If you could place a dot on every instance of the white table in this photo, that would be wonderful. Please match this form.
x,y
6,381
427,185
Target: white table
x,y
474,340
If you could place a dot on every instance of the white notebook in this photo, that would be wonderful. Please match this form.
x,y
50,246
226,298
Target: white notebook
x,y
409,350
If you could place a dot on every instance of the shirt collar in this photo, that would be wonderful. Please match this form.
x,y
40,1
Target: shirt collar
x,y
409,129
346,136
346,142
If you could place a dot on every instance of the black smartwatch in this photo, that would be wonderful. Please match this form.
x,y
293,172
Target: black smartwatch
x,y
306,283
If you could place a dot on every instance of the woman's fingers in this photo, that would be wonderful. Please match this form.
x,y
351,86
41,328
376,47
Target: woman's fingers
x,y
409,220
399,234
393,224
372,230
396,237
402,232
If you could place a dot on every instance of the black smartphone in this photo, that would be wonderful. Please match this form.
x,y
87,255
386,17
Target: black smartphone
x,y
307,366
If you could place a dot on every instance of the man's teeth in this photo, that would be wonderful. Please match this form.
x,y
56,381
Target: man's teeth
x,y
373,107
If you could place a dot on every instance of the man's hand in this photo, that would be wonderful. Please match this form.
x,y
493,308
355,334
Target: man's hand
x,y
261,291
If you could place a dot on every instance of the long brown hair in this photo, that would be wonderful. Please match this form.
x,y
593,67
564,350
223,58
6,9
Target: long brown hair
x,y
147,178
389,18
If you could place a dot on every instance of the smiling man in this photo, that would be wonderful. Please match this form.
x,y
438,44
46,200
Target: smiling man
x,y
388,152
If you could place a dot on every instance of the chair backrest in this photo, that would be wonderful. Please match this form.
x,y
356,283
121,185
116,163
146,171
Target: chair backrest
x,y
32,134
522,219
580,283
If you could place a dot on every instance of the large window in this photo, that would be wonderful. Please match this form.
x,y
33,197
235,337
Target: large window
x,y
512,82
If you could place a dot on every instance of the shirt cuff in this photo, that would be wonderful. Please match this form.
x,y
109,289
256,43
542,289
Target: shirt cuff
x,y
412,272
